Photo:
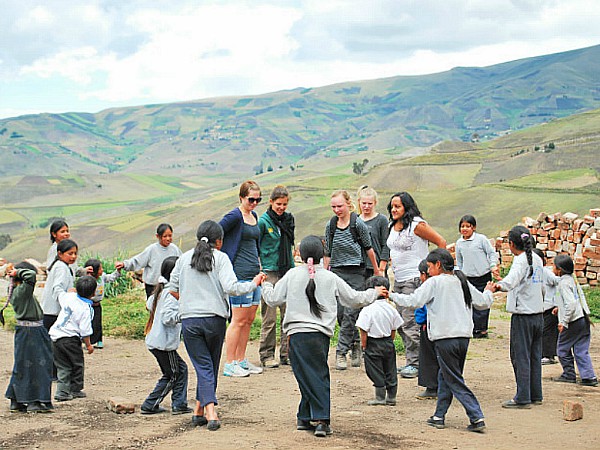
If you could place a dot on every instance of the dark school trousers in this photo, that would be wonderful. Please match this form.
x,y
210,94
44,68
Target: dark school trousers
x,y
526,356
348,334
380,362
96,324
69,362
308,356
451,354
428,363
481,318
574,346
48,322
174,378
549,334
203,338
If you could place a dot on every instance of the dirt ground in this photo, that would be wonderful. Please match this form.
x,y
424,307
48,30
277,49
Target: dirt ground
x,y
259,411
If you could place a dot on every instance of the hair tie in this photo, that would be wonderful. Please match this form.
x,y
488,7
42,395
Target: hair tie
x,y
311,268
524,236
204,239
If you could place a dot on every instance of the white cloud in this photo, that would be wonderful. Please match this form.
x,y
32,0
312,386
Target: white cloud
x,y
145,51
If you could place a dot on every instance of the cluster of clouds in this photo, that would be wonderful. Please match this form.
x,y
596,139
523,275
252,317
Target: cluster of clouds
x,y
64,55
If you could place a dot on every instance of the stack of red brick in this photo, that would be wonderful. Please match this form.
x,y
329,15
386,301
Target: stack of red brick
x,y
564,233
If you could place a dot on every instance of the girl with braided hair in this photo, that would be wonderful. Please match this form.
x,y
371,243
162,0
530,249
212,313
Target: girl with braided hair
x,y
311,294
525,302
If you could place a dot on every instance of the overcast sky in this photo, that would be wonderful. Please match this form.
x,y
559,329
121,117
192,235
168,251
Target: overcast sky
x,y
89,55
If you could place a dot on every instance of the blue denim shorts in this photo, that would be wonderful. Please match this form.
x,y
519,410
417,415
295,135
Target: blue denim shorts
x,y
246,301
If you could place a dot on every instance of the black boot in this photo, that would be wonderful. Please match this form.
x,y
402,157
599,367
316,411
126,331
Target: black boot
x,y
379,397
391,395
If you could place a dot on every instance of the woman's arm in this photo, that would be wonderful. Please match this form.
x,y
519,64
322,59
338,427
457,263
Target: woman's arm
x,y
425,231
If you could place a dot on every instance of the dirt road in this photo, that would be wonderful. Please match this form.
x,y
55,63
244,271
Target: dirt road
x,y
259,411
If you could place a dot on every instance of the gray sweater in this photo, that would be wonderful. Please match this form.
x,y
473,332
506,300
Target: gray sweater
x,y
570,300
447,314
524,291
205,294
166,331
150,260
60,280
475,256
329,289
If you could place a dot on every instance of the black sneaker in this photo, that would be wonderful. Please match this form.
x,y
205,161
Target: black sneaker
x,y
63,397
181,410
322,430
157,410
436,422
477,426
15,406
37,407
589,382
563,379
304,425
79,394
511,404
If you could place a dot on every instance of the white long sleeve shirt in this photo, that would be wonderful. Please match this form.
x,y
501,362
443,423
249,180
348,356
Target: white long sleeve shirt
x,y
151,260
448,316
570,300
60,280
74,319
475,256
524,291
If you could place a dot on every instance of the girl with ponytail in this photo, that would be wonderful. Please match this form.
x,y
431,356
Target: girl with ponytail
x,y
525,302
163,332
310,294
202,280
449,298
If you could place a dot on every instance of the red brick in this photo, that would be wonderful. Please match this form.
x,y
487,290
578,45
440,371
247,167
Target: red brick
x,y
577,224
120,405
588,220
595,212
542,240
572,410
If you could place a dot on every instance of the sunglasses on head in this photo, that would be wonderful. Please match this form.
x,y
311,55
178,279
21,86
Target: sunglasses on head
x,y
255,199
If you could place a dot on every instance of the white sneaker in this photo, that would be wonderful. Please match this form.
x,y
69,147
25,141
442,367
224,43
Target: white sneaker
x,y
249,367
233,369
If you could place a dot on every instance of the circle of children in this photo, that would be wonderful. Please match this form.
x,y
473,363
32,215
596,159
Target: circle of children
x,y
437,304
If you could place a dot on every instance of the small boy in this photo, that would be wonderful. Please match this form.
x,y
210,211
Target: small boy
x,y
73,325
428,363
30,387
377,324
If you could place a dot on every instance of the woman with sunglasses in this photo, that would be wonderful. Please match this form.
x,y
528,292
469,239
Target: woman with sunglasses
x,y
241,242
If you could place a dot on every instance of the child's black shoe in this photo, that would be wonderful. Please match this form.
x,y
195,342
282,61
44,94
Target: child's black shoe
x,y
323,429
589,382
436,422
15,406
477,426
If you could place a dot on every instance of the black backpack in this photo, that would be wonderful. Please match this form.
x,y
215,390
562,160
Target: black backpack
x,y
353,231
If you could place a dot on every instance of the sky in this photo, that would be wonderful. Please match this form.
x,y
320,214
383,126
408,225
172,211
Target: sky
x,y
90,55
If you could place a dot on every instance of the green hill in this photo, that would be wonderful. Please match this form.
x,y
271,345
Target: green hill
x,y
238,136
497,181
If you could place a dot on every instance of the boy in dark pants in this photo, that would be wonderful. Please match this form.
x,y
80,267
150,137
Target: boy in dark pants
x,y
428,363
378,323
74,324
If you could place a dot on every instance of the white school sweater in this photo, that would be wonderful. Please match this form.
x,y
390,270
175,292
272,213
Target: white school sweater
x,y
151,260
75,318
329,289
447,314
524,291
570,301
475,256
60,280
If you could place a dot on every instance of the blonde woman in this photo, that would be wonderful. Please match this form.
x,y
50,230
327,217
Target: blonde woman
x,y
347,246
378,227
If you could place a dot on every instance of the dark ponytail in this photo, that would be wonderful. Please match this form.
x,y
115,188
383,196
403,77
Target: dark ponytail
x,y
444,257
207,235
63,246
165,271
522,240
311,251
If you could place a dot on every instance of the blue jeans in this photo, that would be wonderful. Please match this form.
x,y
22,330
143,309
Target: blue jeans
x,y
308,356
526,356
451,354
203,338
574,345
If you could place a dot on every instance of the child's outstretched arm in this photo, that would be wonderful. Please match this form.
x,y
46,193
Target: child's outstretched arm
x,y
421,296
357,299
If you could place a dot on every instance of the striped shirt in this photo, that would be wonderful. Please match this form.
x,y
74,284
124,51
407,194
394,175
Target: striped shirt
x,y
343,250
